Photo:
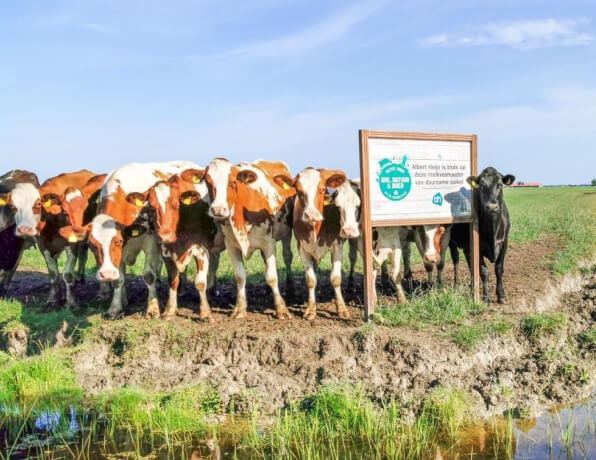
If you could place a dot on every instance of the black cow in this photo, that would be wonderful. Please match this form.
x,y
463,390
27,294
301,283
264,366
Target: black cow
x,y
493,226
11,246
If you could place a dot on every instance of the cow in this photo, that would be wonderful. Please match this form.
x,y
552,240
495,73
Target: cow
x,y
322,223
493,226
253,204
43,213
432,241
186,231
11,245
122,229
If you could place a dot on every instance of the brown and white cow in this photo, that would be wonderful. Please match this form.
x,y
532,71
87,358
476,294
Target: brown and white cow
x,y
186,231
11,245
321,226
123,228
45,212
432,242
253,203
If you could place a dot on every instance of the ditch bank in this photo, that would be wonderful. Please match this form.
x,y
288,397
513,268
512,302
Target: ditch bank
x,y
546,357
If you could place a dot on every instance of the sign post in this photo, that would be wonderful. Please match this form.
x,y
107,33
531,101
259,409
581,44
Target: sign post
x,y
416,179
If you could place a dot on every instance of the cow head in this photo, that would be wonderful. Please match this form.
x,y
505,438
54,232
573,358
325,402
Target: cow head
x,y
166,197
312,191
25,202
107,238
75,203
428,238
347,200
489,187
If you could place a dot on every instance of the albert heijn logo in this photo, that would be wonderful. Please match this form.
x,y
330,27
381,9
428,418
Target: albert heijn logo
x,y
438,199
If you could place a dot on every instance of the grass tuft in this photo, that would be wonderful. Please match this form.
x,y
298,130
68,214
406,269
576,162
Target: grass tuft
x,y
535,326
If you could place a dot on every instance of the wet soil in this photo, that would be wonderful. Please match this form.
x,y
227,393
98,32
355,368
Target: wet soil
x,y
265,363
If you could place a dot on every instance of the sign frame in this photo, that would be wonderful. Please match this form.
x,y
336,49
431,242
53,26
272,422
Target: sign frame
x,y
368,223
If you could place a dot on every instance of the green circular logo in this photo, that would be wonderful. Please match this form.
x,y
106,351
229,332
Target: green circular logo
x,y
394,179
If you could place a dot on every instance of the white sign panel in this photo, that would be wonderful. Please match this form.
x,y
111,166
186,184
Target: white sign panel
x,y
411,178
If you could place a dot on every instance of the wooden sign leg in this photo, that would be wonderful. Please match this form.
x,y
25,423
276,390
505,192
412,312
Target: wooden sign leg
x,y
367,258
475,259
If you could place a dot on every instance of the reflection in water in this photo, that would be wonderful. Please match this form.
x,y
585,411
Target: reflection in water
x,y
564,433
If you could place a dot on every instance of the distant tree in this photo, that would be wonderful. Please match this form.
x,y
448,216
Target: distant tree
x,y
594,182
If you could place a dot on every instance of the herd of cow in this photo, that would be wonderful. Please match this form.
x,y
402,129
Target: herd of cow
x,y
178,211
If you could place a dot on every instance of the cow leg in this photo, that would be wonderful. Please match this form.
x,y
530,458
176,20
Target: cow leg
x,y
6,275
380,257
173,282
69,275
240,276
499,268
212,272
484,276
311,282
395,274
406,252
429,273
286,245
153,264
336,258
353,256
82,254
271,279
385,283
53,274
116,310
455,259
202,259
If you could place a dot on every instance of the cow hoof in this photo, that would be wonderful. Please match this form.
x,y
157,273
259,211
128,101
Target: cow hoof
x,y
238,315
152,315
343,314
310,314
168,316
206,318
283,314
112,316
501,300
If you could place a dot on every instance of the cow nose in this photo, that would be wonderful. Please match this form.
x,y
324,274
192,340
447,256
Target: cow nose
x,y
492,207
220,211
313,215
108,275
431,258
25,231
350,233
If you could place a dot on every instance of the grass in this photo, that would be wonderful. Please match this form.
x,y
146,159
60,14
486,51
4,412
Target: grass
x,y
437,307
588,338
535,326
569,213
468,336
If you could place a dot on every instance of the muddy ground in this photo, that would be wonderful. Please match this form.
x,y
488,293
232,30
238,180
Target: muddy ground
x,y
264,363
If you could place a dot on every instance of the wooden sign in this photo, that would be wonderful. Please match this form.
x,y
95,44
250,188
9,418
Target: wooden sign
x,y
416,179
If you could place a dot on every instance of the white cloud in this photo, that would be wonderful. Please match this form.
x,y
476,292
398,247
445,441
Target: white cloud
x,y
309,38
524,35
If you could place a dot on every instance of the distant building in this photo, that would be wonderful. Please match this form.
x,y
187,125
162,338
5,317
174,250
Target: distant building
x,y
526,184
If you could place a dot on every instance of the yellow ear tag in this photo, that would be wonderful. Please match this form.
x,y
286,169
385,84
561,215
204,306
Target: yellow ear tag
x,y
286,186
72,238
47,203
186,201
474,184
196,179
3,202
327,201
135,233
139,203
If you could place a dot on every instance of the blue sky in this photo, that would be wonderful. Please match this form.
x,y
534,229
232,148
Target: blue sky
x,y
100,83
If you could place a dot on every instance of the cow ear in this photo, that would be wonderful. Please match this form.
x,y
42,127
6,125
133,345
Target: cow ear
x,y
93,185
333,178
138,199
508,179
190,197
4,199
246,176
194,176
473,181
284,181
51,203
